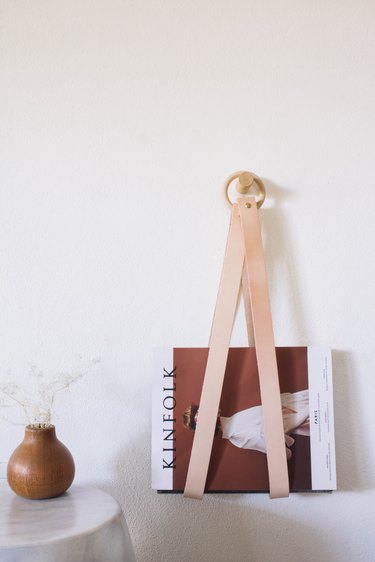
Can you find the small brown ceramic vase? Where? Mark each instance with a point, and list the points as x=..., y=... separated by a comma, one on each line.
x=41, y=467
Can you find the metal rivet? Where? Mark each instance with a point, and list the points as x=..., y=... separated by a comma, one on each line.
x=248, y=205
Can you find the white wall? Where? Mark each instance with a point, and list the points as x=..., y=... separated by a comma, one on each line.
x=119, y=122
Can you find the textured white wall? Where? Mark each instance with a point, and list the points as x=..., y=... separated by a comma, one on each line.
x=119, y=122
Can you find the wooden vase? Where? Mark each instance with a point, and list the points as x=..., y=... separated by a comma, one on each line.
x=41, y=467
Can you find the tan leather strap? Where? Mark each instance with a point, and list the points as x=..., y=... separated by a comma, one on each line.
x=265, y=349
x=244, y=226
x=221, y=331
x=247, y=306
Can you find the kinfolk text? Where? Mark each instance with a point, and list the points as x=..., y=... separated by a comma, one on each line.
x=169, y=403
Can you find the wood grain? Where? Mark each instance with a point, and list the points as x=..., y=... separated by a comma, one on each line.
x=41, y=467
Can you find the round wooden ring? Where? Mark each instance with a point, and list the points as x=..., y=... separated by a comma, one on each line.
x=246, y=180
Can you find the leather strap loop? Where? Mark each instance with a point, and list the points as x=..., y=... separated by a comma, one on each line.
x=244, y=244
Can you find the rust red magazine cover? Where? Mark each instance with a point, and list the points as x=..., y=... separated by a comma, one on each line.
x=238, y=460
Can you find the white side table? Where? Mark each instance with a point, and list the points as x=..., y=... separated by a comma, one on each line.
x=83, y=525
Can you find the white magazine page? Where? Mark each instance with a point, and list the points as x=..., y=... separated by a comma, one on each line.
x=322, y=437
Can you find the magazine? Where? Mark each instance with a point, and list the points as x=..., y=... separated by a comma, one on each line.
x=238, y=460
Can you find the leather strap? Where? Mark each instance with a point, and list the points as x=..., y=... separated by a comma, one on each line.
x=221, y=332
x=244, y=226
x=265, y=349
x=247, y=306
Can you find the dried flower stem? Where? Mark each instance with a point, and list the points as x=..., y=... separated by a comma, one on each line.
x=37, y=406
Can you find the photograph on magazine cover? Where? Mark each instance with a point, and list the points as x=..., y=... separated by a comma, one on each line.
x=238, y=459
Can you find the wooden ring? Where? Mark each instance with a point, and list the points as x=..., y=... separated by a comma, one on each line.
x=244, y=185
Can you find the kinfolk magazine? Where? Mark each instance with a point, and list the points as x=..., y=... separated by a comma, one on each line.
x=238, y=459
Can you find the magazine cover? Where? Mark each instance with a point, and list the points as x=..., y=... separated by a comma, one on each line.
x=238, y=460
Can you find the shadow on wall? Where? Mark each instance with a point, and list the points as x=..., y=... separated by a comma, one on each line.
x=353, y=464
x=352, y=472
x=220, y=528
x=217, y=531
x=282, y=272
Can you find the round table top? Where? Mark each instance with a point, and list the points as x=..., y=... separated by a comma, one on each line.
x=80, y=511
